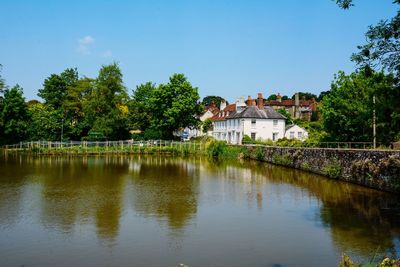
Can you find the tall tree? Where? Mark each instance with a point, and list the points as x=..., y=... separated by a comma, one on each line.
x=106, y=109
x=55, y=87
x=14, y=116
x=175, y=106
x=45, y=122
x=140, y=106
x=76, y=98
x=347, y=109
x=382, y=50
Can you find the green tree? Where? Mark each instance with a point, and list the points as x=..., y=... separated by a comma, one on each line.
x=14, y=116
x=306, y=95
x=55, y=87
x=45, y=122
x=140, y=111
x=347, y=109
x=382, y=50
x=77, y=96
x=174, y=106
x=106, y=109
x=207, y=101
x=206, y=125
x=272, y=97
x=287, y=115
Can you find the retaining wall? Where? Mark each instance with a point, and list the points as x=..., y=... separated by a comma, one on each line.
x=379, y=169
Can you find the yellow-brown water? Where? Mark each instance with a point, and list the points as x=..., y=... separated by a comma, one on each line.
x=161, y=211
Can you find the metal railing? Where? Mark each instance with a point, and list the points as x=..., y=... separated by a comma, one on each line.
x=102, y=146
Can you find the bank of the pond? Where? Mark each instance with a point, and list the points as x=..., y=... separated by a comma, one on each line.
x=379, y=169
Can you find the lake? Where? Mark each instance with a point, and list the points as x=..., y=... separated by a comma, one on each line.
x=164, y=210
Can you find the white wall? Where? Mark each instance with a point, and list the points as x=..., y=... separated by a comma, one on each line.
x=264, y=128
x=293, y=133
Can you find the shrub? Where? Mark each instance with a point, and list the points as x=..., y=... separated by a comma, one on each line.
x=216, y=149
x=333, y=169
x=260, y=154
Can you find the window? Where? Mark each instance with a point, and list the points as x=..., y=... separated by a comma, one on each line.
x=291, y=135
x=253, y=123
x=274, y=136
x=275, y=122
x=253, y=136
x=299, y=135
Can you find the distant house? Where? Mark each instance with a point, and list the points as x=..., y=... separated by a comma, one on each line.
x=209, y=112
x=255, y=120
x=297, y=108
x=294, y=131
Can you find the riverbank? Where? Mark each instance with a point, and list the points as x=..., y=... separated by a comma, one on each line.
x=378, y=169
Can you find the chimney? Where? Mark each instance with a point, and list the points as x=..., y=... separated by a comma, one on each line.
x=297, y=106
x=249, y=101
x=279, y=98
x=260, y=101
x=222, y=106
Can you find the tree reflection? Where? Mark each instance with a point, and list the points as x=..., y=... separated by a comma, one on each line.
x=166, y=188
x=78, y=191
x=360, y=219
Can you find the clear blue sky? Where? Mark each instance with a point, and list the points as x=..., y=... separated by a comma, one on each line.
x=229, y=48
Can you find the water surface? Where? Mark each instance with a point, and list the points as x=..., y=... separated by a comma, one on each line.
x=161, y=211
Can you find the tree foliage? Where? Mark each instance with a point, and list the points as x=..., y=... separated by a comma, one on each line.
x=140, y=106
x=306, y=95
x=55, y=87
x=174, y=106
x=347, y=110
x=207, y=101
x=382, y=50
x=14, y=116
x=106, y=109
x=45, y=122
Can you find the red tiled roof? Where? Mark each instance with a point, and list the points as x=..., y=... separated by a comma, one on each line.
x=221, y=115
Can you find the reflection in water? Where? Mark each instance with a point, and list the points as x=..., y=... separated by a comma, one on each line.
x=63, y=194
x=168, y=191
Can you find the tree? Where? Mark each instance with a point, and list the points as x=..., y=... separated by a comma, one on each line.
x=55, y=87
x=347, y=109
x=287, y=115
x=306, y=95
x=140, y=111
x=77, y=96
x=45, y=122
x=206, y=125
x=322, y=95
x=174, y=106
x=14, y=116
x=207, y=101
x=272, y=97
x=106, y=109
x=382, y=50
x=2, y=82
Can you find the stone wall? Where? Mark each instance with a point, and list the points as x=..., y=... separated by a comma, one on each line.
x=379, y=169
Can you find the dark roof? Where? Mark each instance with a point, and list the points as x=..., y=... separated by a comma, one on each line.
x=254, y=113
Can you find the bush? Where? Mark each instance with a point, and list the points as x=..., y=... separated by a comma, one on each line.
x=216, y=149
x=333, y=169
x=260, y=154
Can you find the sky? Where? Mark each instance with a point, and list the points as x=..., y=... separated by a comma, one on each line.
x=230, y=48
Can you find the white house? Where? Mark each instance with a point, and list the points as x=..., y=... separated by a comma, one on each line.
x=296, y=132
x=256, y=121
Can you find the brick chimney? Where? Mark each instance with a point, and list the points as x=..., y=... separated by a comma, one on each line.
x=249, y=101
x=279, y=98
x=260, y=101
